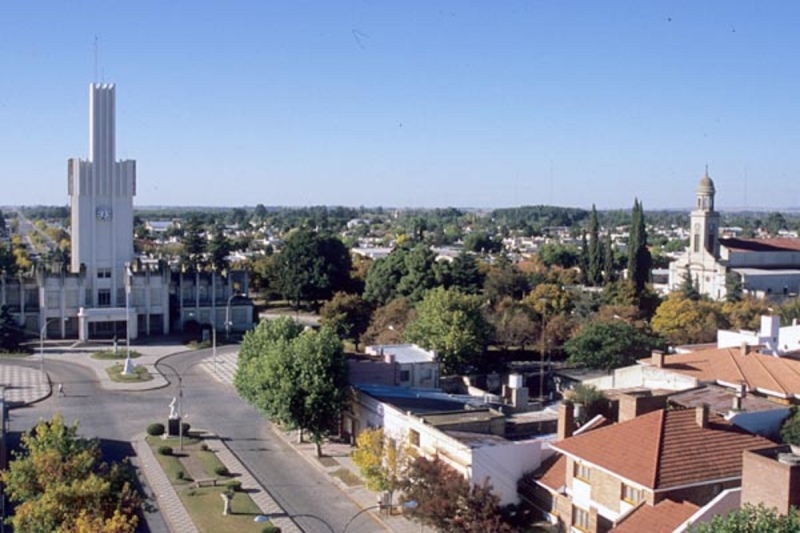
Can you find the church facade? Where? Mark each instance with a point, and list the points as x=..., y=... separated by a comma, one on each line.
x=106, y=290
x=764, y=267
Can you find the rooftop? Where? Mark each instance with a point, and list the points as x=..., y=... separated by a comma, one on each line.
x=671, y=449
x=419, y=401
x=720, y=400
x=768, y=374
x=663, y=517
x=403, y=353
x=761, y=245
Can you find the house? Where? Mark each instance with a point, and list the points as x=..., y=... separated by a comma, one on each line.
x=655, y=468
x=460, y=430
x=407, y=365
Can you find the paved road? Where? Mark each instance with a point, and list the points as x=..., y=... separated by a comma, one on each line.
x=117, y=417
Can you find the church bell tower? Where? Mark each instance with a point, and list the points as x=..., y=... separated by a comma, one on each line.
x=704, y=221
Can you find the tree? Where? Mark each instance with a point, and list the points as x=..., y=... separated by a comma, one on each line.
x=446, y=501
x=407, y=271
x=594, y=274
x=389, y=322
x=311, y=267
x=790, y=428
x=452, y=324
x=733, y=287
x=11, y=334
x=751, y=519
x=513, y=325
x=382, y=460
x=219, y=248
x=504, y=279
x=609, y=345
x=296, y=376
x=609, y=275
x=465, y=275
x=480, y=242
x=685, y=321
x=639, y=259
x=346, y=314
x=593, y=401
x=59, y=483
x=194, y=243
x=746, y=313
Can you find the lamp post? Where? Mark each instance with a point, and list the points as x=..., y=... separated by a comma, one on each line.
x=128, y=282
x=228, y=314
x=214, y=346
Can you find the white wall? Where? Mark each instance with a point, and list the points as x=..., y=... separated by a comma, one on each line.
x=504, y=465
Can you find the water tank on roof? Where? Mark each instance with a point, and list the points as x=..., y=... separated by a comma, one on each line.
x=515, y=381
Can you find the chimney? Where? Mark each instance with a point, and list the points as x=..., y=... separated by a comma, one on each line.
x=659, y=359
x=744, y=349
x=566, y=420
x=737, y=403
x=388, y=358
x=742, y=392
x=701, y=415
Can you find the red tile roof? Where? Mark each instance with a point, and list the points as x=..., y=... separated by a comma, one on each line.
x=665, y=449
x=769, y=374
x=553, y=472
x=761, y=245
x=663, y=517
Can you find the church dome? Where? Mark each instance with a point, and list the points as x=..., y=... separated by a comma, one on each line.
x=706, y=186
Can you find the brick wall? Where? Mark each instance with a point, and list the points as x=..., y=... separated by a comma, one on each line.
x=633, y=405
x=699, y=495
x=767, y=481
x=606, y=489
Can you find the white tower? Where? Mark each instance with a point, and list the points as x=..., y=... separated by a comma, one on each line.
x=704, y=223
x=101, y=196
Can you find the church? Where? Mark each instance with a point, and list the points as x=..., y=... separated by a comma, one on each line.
x=766, y=268
x=107, y=291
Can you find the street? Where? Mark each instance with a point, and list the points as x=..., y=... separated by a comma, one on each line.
x=116, y=417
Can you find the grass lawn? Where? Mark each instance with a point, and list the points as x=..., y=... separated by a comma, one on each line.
x=205, y=507
x=110, y=354
x=14, y=355
x=204, y=504
x=140, y=374
x=347, y=477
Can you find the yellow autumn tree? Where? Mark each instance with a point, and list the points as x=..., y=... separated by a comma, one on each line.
x=382, y=460
x=685, y=321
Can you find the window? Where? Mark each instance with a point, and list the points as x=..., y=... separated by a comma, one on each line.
x=103, y=273
x=582, y=472
x=580, y=518
x=405, y=375
x=104, y=297
x=413, y=437
x=631, y=494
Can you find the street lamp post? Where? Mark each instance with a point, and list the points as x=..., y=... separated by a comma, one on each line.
x=214, y=346
x=179, y=376
x=228, y=314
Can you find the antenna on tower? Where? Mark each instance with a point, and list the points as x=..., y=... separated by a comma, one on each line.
x=95, y=58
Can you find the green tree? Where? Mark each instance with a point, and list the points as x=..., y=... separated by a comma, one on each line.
x=751, y=519
x=11, y=334
x=609, y=274
x=480, y=242
x=194, y=242
x=595, y=257
x=346, y=314
x=382, y=460
x=407, y=271
x=609, y=345
x=296, y=376
x=733, y=287
x=59, y=483
x=557, y=254
x=639, y=259
x=465, y=275
x=790, y=428
x=452, y=324
x=219, y=248
x=311, y=267
x=504, y=279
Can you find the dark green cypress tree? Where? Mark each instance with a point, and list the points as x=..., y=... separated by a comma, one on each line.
x=584, y=260
x=608, y=260
x=594, y=275
x=639, y=259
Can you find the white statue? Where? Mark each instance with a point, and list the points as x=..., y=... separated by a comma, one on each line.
x=172, y=412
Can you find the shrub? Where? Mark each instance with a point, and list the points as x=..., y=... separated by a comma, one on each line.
x=165, y=450
x=204, y=447
x=155, y=430
x=185, y=427
x=235, y=485
x=180, y=475
x=221, y=470
x=790, y=429
x=270, y=529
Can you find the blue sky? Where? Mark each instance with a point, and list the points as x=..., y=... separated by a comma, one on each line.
x=413, y=103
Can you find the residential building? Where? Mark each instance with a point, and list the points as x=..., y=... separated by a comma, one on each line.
x=649, y=464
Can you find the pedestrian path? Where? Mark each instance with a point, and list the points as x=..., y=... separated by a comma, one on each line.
x=23, y=385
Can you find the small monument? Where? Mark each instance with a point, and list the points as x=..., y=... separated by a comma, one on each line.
x=129, y=367
x=174, y=420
